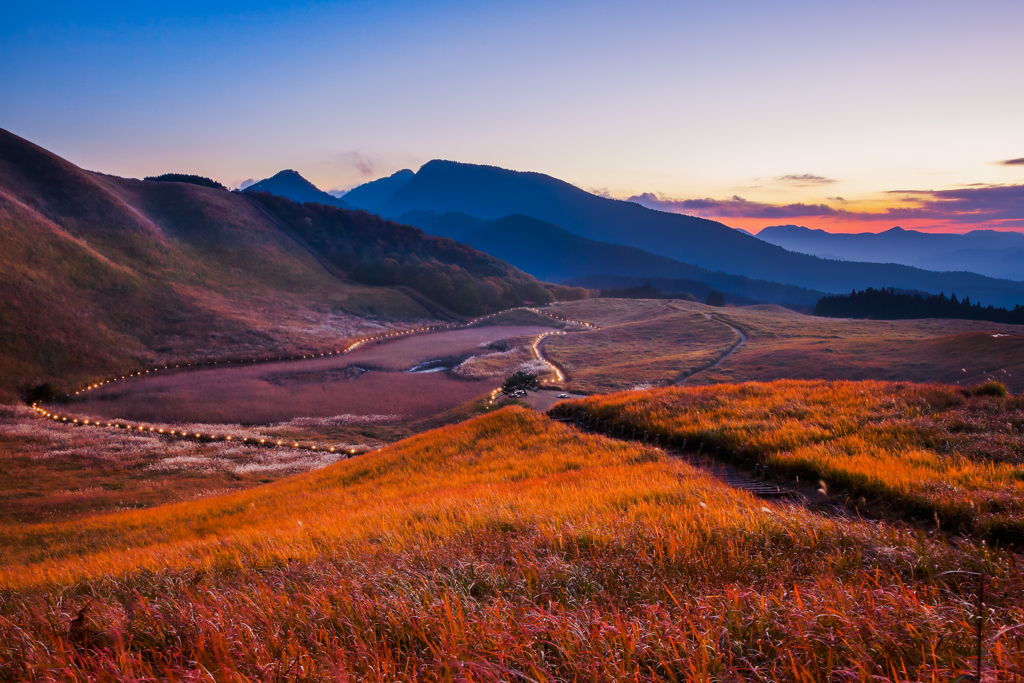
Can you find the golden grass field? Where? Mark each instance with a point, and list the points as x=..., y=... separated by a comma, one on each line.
x=503, y=548
x=918, y=451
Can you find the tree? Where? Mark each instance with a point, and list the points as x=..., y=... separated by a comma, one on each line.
x=715, y=298
x=520, y=380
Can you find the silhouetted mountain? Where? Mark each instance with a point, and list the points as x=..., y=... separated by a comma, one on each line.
x=490, y=193
x=988, y=252
x=290, y=185
x=449, y=224
x=551, y=253
x=372, y=194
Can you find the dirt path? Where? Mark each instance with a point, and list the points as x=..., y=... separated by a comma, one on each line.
x=734, y=349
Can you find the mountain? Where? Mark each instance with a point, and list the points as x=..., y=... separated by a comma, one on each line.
x=490, y=193
x=290, y=185
x=551, y=253
x=101, y=275
x=987, y=252
x=372, y=194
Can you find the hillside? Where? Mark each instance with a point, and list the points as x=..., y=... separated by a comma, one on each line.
x=101, y=274
x=551, y=253
x=490, y=193
x=504, y=544
x=988, y=252
x=290, y=185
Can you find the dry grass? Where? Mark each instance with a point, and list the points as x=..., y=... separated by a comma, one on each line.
x=786, y=345
x=654, y=343
x=504, y=548
x=640, y=343
x=51, y=472
x=920, y=451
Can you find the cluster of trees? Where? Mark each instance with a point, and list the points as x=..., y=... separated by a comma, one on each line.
x=888, y=304
x=374, y=251
x=644, y=291
x=185, y=178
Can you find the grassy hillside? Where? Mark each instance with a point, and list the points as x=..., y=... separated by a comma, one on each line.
x=374, y=251
x=925, y=452
x=502, y=548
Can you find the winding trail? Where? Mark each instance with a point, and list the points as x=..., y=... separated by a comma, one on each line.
x=734, y=349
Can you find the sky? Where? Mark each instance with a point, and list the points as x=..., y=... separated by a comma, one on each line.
x=845, y=116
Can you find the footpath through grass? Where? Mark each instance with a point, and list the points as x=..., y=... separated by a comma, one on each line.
x=504, y=548
x=920, y=451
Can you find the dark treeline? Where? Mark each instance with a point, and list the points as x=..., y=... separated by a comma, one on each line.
x=375, y=251
x=888, y=304
x=644, y=291
x=185, y=178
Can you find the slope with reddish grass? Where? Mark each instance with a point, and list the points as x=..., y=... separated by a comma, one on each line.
x=919, y=451
x=501, y=548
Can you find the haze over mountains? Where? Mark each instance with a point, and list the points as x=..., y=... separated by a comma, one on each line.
x=988, y=252
x=551, y=253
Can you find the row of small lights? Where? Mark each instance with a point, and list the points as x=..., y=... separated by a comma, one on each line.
x=559, y=377
x=535, y=348
x=69, y=419
x=182, y=434
x=564, y=320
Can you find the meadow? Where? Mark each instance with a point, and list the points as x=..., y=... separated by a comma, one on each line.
x=504, y=548
x=639, y=343
x=926, y=453
x=665, y=342
x=370, y=380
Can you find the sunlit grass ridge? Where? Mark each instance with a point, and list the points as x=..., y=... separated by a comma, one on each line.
x=926, y=451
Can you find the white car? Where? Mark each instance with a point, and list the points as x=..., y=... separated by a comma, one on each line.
x=564, y=396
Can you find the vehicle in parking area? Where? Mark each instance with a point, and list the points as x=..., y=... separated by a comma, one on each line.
x=564, y=396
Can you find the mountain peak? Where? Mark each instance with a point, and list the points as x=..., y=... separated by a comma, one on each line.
x=291, y=185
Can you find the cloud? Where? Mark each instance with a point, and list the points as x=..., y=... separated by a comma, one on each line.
x=360, y=162
x=805, y=179
x=1012, y=162
x=737, y=207
x=990, y=203
x=993, y=206
x=247, y=183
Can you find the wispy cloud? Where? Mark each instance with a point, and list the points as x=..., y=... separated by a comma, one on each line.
x=737, y=207
x=357, y=160
x=1012, y=162
x=805, y=179
x=996, y=206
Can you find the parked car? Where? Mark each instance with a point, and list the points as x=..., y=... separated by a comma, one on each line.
x=564, y=396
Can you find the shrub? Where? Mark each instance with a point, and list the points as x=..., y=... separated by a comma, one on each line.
x=989, y=389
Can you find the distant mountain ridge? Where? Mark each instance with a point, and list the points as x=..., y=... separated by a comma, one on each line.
x=551, y=253
x=987, y=252
x=374, y=193
x=490, y=193
x=291, y=185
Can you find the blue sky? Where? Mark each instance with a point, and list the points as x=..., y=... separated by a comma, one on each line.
x=679, y=101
